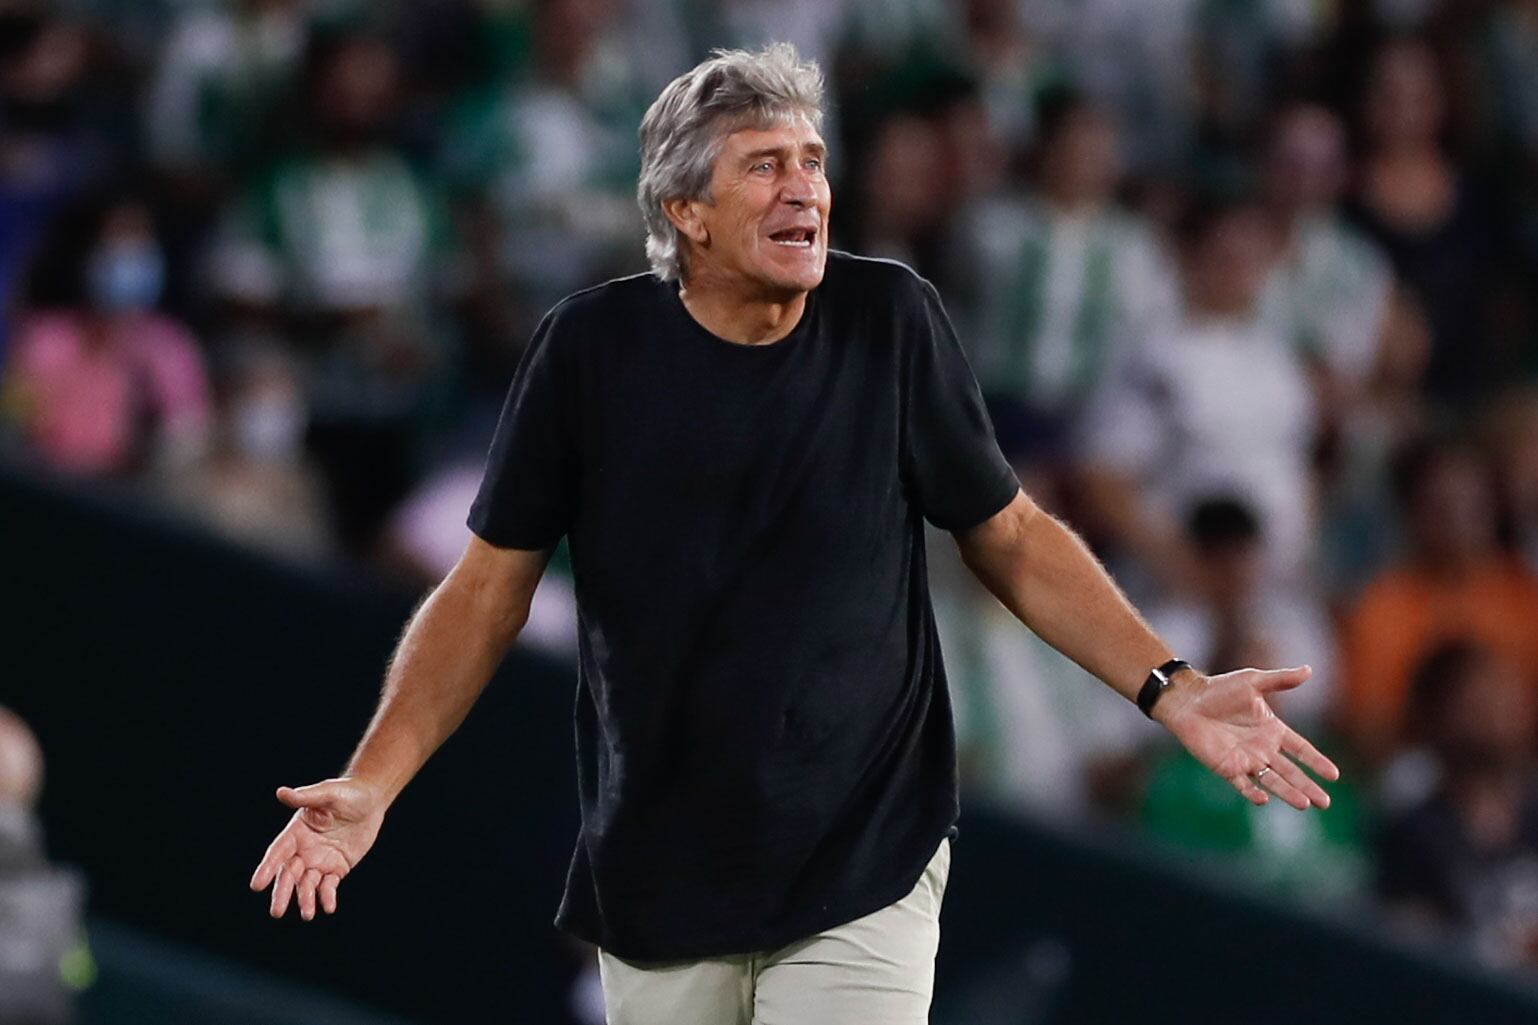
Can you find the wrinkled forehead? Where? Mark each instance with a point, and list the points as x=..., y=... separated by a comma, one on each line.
x=783, y=129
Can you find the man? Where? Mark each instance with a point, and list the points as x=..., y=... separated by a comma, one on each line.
x=741, y=448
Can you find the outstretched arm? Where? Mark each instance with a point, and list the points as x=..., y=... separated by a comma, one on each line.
x=444, y=659
x=1043, y=573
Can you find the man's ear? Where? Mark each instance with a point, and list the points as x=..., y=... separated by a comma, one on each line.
x=684, y=213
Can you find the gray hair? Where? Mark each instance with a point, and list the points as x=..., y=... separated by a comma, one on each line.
x=682, y=132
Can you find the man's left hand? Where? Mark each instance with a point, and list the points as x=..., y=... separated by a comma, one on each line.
x=1227, y=724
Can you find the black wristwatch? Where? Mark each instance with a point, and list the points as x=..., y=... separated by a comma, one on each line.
x=1157, y=683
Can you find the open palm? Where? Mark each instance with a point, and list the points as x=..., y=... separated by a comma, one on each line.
x=333, y=827
x=1228, y=725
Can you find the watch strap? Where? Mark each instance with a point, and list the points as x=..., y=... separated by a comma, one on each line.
x=1157, y=683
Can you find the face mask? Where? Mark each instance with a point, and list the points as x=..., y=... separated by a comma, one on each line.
x=268, y=427
x=126, y=276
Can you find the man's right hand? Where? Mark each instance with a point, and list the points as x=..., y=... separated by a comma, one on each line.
x=333, y=827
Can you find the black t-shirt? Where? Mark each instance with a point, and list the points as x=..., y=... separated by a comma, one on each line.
x=764, y=738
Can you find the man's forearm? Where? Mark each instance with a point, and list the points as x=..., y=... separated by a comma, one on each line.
x=448, y=652
x=1047, y=577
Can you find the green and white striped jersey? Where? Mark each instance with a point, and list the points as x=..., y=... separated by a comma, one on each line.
x=1056, y=294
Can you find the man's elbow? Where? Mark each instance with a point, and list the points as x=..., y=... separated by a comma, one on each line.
x=1004, y=530
x=492, y=590
x=1000, y=541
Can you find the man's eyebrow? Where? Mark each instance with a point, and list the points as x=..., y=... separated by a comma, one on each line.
x=815, y=148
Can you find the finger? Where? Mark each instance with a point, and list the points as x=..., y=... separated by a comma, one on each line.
x=1273, y=680
x=328, y=887
x=307, y=884
x=1247, y=787
x=282, y=890
x=1312, y=792
x=316, y=795
x=1296, y=745
x=293, y=872
x=279, y=851
x=1275, y=782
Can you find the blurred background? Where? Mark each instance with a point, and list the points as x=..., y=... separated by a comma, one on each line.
x=1249, y=286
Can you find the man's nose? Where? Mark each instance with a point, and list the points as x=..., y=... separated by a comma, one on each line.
x=797, y=189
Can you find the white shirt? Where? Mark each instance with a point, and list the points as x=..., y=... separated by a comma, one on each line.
x=1211, y=408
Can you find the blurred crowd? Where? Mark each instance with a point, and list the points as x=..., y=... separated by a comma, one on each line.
x=44, y=956
x=1249, y=286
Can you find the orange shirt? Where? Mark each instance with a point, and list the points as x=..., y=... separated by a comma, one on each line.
x=1406, y=612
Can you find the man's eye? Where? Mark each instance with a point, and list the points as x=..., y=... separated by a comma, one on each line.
x=763, y=165
x=814, y=164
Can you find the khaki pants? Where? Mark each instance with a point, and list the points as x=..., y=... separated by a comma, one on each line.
x=876, y=969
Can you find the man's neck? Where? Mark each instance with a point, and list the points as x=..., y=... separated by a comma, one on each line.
x=743, y=319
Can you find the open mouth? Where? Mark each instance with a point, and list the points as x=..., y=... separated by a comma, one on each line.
x=794, y=238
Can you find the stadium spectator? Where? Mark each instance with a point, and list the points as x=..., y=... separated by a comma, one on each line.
x=43, y=957
x=1062, y=277
x=1013, y=66
x=1217, y=401
x=1466, y=858
x=1435, y=223
x=1232, y=617
x=47, y=153
x=1141, y=61
x=337, y=247
x=1364, y=338
x=1510, y=432
x=222, y=78
x=1331, y=282
x=100, y=382
x=256, y=483
x=901, y=195
x=341, y=227
x=543, y=163
x=1245, y=51
x=1453, y=582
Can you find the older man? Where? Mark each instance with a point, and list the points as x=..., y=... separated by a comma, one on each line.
x=742, y=448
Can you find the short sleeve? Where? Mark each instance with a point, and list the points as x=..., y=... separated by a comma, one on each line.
x=953, y=468
x=527, y=498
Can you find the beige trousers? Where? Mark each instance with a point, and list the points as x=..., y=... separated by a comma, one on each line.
x=876, y=969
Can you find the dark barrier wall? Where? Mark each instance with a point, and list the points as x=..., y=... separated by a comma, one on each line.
x=1076, y=929
x=175, y=682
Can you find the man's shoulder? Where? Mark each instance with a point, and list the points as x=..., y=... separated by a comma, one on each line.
x=589, y=320
x=618, y=297
x=873, y=277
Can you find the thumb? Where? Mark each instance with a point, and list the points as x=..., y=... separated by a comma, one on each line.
x=316, y=795
x=1273, y=680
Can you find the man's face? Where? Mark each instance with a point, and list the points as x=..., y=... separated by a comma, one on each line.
x=764, y=227
x=1084, y=163
x=1227, y=268
x=1307, y=167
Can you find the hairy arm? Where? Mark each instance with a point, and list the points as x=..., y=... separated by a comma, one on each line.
x=445, y=658
x=1047, y=577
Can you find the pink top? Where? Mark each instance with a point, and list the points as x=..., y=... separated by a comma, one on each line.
x=86, y=401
